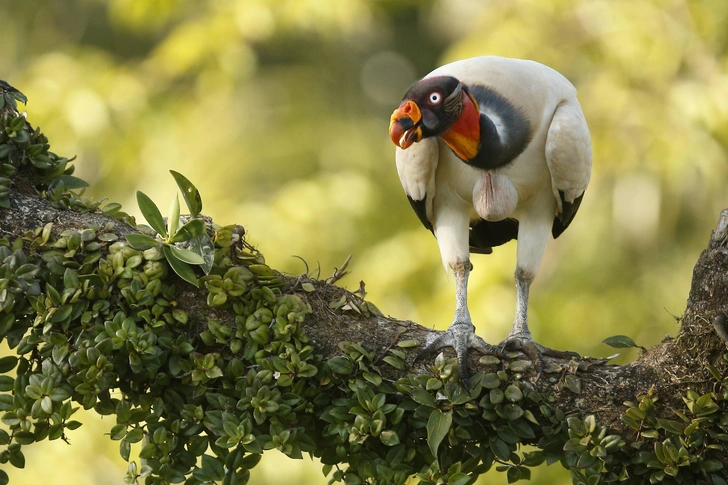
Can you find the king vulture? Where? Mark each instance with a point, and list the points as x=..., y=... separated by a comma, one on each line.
x=491, y=149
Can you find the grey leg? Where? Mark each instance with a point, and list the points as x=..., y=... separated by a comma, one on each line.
x=461, y=333
x=519, y=337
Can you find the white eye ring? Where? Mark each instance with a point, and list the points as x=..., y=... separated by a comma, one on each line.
x=435, y=97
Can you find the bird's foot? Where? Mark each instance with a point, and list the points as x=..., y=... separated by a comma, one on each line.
x=461, y=337
x=525, y=343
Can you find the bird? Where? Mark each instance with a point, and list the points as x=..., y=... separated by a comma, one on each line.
x=488, y=150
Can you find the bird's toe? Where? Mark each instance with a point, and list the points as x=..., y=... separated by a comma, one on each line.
x=461, y=337
x=535, y=351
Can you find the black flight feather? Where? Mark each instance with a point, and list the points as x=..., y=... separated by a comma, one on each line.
x=563, y=219
x=420, y=207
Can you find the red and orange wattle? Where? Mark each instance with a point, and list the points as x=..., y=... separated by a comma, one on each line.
x=463, y=137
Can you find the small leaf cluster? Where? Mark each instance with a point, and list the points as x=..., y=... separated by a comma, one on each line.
x=22, y=147
x=87, y=314
x=192, y=233
x=678, y=450
x=430, y=425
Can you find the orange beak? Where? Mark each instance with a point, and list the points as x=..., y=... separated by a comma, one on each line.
x=404, y=126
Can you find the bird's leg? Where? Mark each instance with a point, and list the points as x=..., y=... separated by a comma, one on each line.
x=461, y=333
x=533, y=235
x=519, y=337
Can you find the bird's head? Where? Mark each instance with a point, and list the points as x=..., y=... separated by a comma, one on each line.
x=430, y=107
x=438, y=106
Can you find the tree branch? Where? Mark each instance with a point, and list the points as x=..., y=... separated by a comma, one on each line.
x=657, y=381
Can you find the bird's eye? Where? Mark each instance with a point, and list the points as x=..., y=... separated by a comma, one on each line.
x=435, y=97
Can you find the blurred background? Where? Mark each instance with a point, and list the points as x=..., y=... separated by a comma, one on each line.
x=278, y=111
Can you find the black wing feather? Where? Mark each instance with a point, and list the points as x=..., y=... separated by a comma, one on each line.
x=562, y=220
x=485, y=235
x=420, y=207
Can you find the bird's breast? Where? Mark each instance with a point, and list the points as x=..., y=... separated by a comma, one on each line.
x=494, y=196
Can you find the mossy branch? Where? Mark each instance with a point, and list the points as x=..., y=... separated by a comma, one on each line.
x=210, y=377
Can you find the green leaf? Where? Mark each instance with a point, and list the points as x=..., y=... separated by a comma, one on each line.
x=17, y=459
x=389, y=437
x=522, y=429
x=111, y=208
x=573, y=383
x=619, y=342
x=173, y=215
x=4, y=480
x=135, y=435
x=204, y=246
x=340, y=365
x=423, y=397
x=395, y=362
x=193, y=228
x=124, y=449
x=512, y=411
x=491, y=381
x=71, y=182
x=62, y=313
x=513, y=393
x=459, y=479
x=182, y=269
x=189, y=192
x=24, y=437
x=6, y=383
x=711, y=465
x=186, y=255
x=500, y=449
x=213, y=467
x=8, y=363
x=141, y=242
x=151, y=213
x=438, y=425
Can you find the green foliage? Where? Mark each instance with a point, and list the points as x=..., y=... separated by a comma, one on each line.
x=22, y=147
x=621, y=342
x=192, y=233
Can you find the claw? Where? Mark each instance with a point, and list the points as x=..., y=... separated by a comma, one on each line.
x=535, y=351
x=461, y=337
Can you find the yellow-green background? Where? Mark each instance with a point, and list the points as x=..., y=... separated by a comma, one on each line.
x=278, y=111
